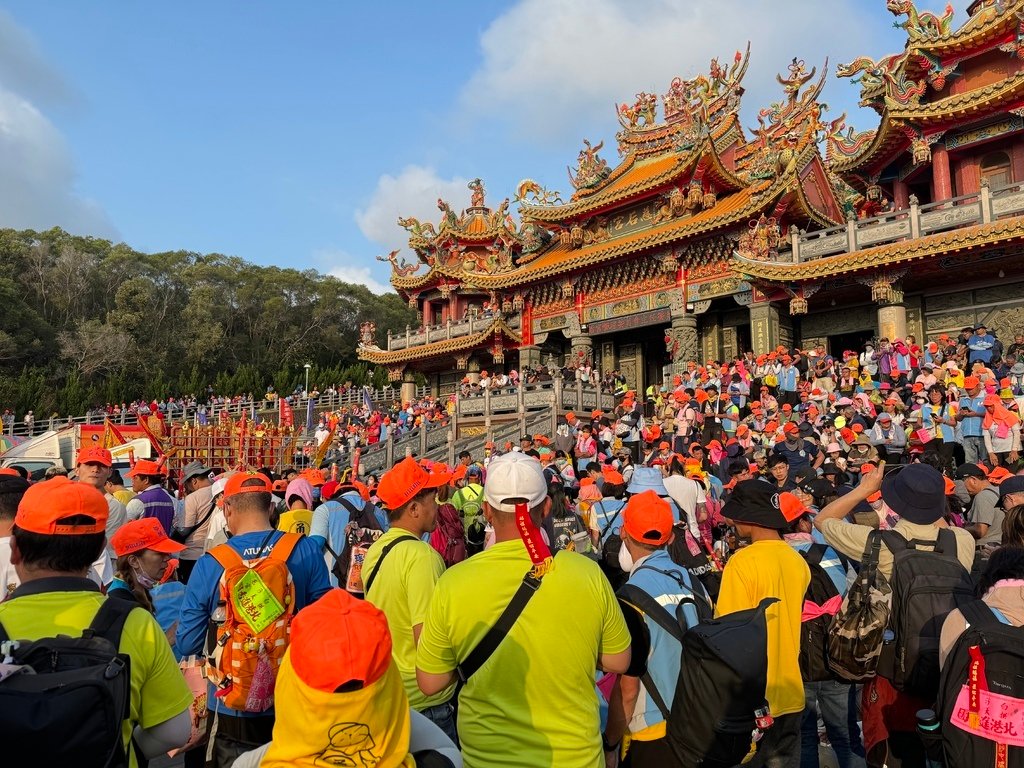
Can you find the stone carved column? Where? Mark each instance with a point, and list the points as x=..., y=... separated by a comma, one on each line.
x=681, y=339
x=764, y=328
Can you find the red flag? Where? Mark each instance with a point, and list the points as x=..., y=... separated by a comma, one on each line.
x=157, y=445
x=111, y=435
x=285, y=416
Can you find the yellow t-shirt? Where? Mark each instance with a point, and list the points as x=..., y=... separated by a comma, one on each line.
x=402, y=591
x=124, y=496
x=158, y=690
x=533, y=702
x=296, y=521
x=772, y=569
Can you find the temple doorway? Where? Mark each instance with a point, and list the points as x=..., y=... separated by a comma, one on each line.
x=854, y=341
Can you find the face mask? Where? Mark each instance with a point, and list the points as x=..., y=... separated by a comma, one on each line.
x=143, y=579
x=560, y=462
x=625, y=559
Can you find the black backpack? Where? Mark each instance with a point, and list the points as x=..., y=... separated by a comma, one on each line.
x=723, y=675
x=362, y=531
x=1001, y=648
x=814, y=632
x=926, y=586
x=72, y=710
x=700, y=566
x=671, y=619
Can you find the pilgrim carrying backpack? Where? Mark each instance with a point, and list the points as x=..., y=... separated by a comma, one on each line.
x=981, y=693
x=720, y=695
x=824, y=600
x=84, y=681
x=926, y=586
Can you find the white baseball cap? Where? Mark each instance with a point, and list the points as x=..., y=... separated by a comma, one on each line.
x=514, y=476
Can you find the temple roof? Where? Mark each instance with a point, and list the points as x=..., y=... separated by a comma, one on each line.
x=561, y=259
x=987, y=25
x=961, y=106
x=884, y=255
x=446, y=347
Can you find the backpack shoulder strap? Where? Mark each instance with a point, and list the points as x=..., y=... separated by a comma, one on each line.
x=637, y=597
x=353, y=513
x=284, y=547
x=380, y=560
x=978, y=614
x=226, y=556
x=814, y=555
x=108, y=622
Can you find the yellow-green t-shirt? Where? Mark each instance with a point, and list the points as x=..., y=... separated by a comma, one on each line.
x=402, y=591
x=533, y=702
x=296, y=521
x=158, y=689
x=772, y=569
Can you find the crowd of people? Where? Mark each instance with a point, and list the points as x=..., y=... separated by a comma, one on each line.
x=845, y=534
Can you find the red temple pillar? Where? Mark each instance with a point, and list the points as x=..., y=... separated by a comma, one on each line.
x=942, y=183
x=900, y=195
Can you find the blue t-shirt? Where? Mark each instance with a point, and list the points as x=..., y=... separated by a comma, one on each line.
x=668, y=589
x=829, y=561
x=971, y=425
x=608, y=511
x=329, y=521
x=308, y=571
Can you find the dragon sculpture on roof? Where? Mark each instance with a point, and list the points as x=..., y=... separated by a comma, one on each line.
x=921, y=26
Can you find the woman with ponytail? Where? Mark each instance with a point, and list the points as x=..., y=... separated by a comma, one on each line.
x=144, y=559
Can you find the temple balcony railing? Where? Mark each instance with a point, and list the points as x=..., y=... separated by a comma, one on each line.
x=449, y=330
x=557, y=394
x=982, y=207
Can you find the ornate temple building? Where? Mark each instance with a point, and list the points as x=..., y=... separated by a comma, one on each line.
x=705, y=240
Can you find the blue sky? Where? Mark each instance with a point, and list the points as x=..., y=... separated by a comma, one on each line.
x=294, y=133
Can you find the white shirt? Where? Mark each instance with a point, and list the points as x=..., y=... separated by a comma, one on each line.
x=117, y=517
x=687, y=494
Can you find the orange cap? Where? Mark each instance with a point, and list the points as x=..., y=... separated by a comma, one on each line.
x=570, y=415
x=663, y=446
x=9, y=472
x=315, y=477
x=647, y=518
x=597, y=413
x=791, y=507
x=787, y=408
x=146, y=533
x=405, y=480
x=94, y=455
x=234, y=485
x=950, y=485
x=791, y=428
x=586, y=481
x=459, y=472
x=146, y=467
x=338, y=641
x=970, y=382
x=612, y=475
x=45, y=504
x=279, y=485
x=866, y=467
x=997, y=475
x=742, y=429
x=874, y=497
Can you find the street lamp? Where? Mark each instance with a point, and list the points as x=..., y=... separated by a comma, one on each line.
x=307, y=366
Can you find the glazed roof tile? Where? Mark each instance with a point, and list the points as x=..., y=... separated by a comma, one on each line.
x=448, y=346
x=560, y=258
x=637, y=176
x=961, y=104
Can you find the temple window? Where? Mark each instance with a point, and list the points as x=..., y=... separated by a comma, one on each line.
x=995, y=166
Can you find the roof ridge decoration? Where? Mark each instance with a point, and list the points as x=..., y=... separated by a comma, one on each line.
x=478, y=240
x=591, y=169
x=921, y=26
x=691, y=109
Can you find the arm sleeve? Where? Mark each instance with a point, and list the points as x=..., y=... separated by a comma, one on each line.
x=615, y=636
x=200, y=600
x=309, y=561
x=435, y=654
x=848, y=539
x=1015, y=446
x=319, y=525
x=163, y=693
x=420, y=580
x=987, y=434
x=135, y=509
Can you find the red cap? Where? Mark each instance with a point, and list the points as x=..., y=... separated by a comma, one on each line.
x=328, y=490
x=405, y=480
x=94, y=455
x=339, y=640
x=234, y=485
x=787, y=408
x=647, y=518
x=147, y=467
x=45, y=504
x=146, y=533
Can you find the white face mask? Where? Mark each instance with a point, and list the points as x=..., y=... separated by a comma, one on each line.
x=625, y=559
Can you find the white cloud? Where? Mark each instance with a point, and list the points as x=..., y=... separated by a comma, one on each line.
x=340, y=264
x=37, y=187
x=556, y=68
x=413, y=192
